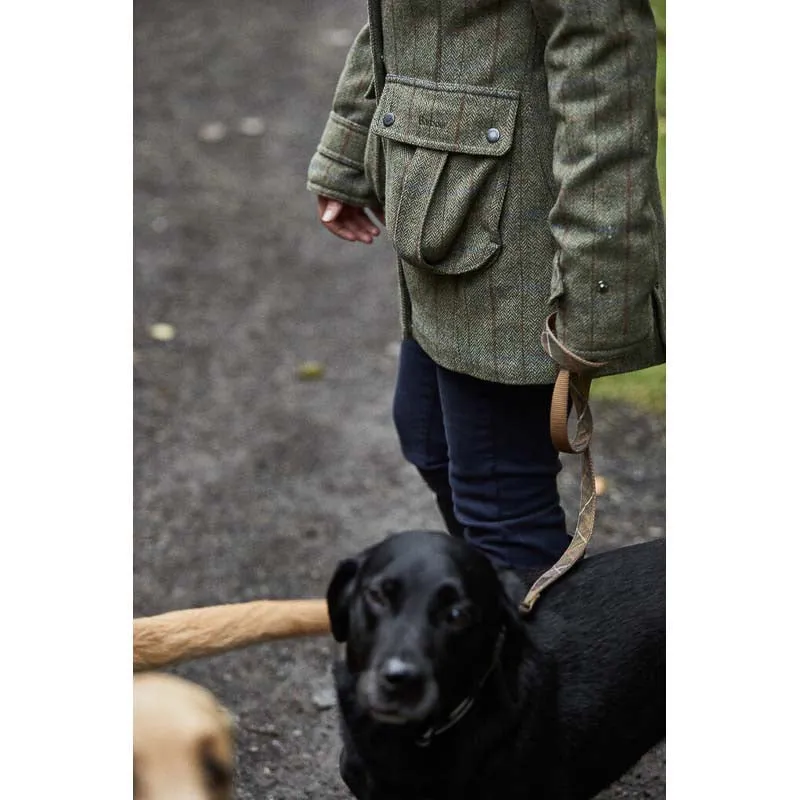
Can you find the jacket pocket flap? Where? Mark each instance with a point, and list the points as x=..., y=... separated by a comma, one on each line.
x=445, y=116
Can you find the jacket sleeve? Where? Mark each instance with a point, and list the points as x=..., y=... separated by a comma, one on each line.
x=600, y=64
x=337, y=167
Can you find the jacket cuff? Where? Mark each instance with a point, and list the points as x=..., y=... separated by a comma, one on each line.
x=337, y=168
x=562, y=355
x=344, y=141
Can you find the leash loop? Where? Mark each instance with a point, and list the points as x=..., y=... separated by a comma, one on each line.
x=572, y=384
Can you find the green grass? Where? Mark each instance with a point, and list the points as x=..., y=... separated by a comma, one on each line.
x=647, y=388
x=644, y=389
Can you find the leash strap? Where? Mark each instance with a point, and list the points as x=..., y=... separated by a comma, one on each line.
x=572, y=383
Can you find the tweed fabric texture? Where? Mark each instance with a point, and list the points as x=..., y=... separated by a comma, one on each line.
x=513, y=149
x=337, y=168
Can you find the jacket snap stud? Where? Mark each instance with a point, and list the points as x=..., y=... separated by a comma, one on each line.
x=388, y=119
x=492, y=135
x=602, y=286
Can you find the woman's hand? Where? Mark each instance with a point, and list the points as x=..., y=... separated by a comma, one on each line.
x=348, y=222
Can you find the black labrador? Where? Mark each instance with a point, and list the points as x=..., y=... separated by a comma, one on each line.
x=447, y=692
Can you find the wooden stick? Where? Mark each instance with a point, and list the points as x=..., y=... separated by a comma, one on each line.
x=198, y=632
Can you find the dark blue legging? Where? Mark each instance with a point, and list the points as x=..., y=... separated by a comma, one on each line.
x=485, y=451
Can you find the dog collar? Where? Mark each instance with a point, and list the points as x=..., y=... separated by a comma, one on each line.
x=460, y=711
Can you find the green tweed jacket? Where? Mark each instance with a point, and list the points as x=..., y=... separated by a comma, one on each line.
x=512, y=146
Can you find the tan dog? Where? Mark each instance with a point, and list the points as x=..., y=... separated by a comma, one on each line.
x=182, y=741
x=182, y=737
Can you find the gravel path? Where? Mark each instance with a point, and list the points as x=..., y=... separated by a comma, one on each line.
x=250, y=482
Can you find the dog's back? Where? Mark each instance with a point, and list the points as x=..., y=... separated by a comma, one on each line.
x=602, y=634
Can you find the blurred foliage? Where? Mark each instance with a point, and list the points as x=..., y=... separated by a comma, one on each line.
x=647, y=388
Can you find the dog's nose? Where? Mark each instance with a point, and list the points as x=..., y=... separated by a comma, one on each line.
x=398, y=674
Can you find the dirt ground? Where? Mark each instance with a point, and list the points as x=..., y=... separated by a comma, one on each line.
x=250, y=482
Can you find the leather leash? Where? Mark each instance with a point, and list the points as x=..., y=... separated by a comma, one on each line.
x=572, y=383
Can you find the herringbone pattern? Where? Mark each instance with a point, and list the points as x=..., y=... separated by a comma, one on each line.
x=560, y=212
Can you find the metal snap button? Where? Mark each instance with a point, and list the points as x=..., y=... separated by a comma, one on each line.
x=492, y=135
x=602, y=286
x=388, y=119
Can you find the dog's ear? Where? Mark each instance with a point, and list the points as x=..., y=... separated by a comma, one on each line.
x=340, y=593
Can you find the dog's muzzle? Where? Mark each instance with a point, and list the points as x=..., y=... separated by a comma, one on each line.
x=398, y=691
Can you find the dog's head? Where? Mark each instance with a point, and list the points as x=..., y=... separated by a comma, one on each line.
x=182, y=741
x=421, y=613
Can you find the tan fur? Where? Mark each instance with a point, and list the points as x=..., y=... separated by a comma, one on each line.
x=181, y=735
x=182, y=741
x=197, y=632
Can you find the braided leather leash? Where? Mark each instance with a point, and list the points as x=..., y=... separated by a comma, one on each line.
x=572, y=382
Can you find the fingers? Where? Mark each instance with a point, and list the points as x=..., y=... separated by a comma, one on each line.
x=329, y=208
x=350, y=223
x=343, y=228
x=363, y=226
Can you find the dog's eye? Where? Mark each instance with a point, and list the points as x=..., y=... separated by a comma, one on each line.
x=458, y=617
x=218, y=774
x=375, y=597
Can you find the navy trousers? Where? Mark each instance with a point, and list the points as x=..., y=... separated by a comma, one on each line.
x=485, y=451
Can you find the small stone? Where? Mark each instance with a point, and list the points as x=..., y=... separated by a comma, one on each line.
x=324, y=699
x=212, y=132
x=253, y=748
x=339, y=37
x=160, y=224
x=297, y=733
x=252, y=126
x=267, y=771
x=162, y=332
x=157, y=206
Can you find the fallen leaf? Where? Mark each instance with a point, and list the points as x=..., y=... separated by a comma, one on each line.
x=162, y=332
x=310, y=371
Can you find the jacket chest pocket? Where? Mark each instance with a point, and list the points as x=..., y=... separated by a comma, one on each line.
x=446, y=169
